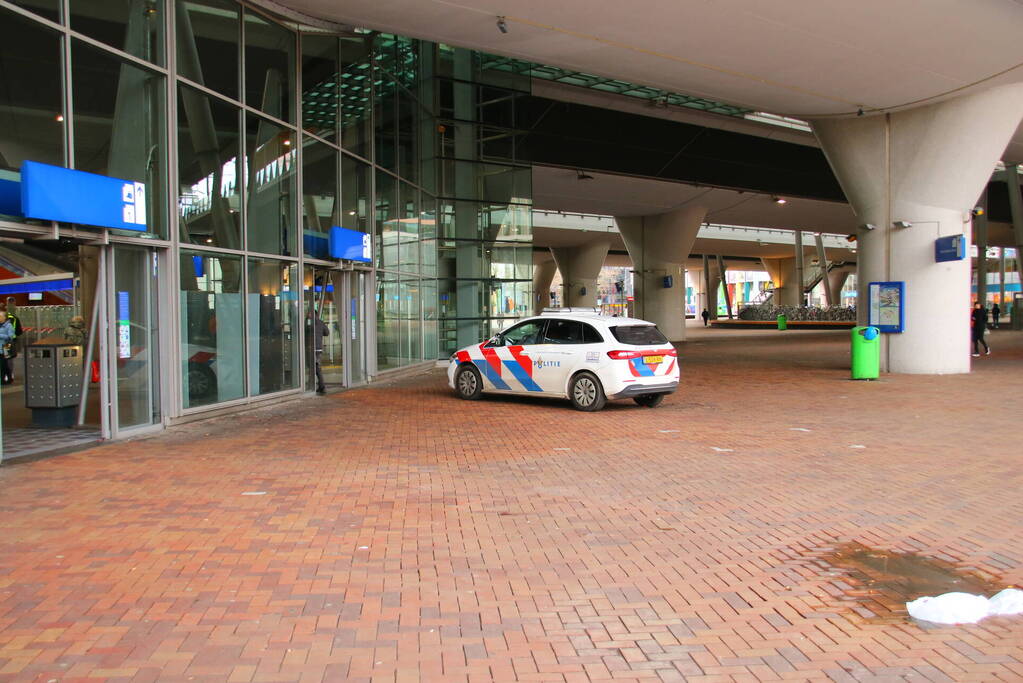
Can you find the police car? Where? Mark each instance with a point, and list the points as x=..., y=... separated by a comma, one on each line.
x=571, y=353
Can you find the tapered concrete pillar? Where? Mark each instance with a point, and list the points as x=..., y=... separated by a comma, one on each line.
x=784, y=275
x=580, y=266
x=659, y=246
x=838, y=279
x=543, y=275
x=711, y=284
x=926, y=167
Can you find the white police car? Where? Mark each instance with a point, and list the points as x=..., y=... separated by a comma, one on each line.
x=574, y=353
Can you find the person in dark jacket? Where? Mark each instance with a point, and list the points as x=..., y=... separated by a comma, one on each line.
x=317, y=330
x=706, y=316
x=979, y=324
x=996, y=313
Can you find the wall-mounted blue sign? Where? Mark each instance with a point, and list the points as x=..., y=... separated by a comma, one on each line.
x=350, y=244
x=53, y=193
x=951, y=248
x=10, y=197
x=886, y=310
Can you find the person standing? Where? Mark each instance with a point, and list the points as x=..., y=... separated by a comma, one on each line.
x=317, y=330
x=996, y=312
x=706, y=316
x=978, y=323
x=7, y=337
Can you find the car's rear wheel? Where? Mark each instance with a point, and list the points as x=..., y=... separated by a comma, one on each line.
x=468, y=383
x=585, y=392
x=649, y=400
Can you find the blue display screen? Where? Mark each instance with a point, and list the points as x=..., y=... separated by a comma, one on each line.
x=54, y=193
x=350, y=244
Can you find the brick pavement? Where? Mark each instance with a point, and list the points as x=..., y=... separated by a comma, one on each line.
x=396, y=533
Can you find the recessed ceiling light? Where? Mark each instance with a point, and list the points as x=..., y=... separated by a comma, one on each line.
x=780, y=200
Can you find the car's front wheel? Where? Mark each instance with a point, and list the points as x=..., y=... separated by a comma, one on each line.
x=649, y=400
x=468, y=383
x=585, y=392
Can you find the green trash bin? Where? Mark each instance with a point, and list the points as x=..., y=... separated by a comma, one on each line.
x=866, y=352
x=783, y=322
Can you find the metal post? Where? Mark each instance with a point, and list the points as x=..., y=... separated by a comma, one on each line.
x=91, y=344
x=822, y=261
x=104, y=344
x=980, y=232
x=1001, y=278
x=800, y=279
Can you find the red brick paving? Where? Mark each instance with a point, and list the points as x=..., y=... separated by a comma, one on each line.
x=405, y=535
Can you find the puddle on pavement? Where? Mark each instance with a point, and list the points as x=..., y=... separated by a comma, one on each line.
x=883, y=581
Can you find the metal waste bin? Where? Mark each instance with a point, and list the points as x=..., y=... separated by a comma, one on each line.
x=866, y=352
x=783, y=322
x=53, y=383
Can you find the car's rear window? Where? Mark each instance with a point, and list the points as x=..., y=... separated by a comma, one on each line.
x=639, y=335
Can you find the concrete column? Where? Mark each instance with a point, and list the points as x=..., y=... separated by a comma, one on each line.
x=783, y=275
x=712, y=280
x=723, y=271
x=926, y=166
x=822, y=263
x=800, y=283
x=838, y=279
x=1001, y=278
x=659, y=246
x=580, y=266
x=1016, y=207
x=543, y=275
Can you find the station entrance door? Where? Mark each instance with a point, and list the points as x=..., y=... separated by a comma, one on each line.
x=337, y=297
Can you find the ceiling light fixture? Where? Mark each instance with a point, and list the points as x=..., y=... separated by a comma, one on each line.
x=580, y=175
x=779, y=200
x=502, y=25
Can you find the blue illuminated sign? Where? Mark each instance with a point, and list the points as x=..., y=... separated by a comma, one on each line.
x=10, y=197
x=37, y=286
x=951, y=248
x=350, y=244
x=60, y=194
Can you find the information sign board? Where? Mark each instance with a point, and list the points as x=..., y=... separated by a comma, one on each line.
x=951, y=248
x=350, y=244
x=64, y=195
x=886, y=303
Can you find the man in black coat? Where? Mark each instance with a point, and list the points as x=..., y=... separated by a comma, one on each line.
x=979, y=324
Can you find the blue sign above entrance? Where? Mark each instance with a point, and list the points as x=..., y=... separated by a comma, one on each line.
x=951, y=248
x=350, y=244
x=64, y=195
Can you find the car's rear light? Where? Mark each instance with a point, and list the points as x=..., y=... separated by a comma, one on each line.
x=624, y=355
x=671, y=352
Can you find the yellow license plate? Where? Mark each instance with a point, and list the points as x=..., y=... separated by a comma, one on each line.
x=653, y=360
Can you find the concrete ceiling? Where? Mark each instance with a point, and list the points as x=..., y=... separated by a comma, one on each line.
x=803, y=59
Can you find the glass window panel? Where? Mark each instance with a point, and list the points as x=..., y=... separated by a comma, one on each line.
x=388, y=316
x=271, y=184
x=320, y=84
x=354, y=89
x=408, y=234
x=212, y=346
x=412, y=329
x=430, y=316
x=320, y=205
x=134, y=26
x=406, y=136
x=31, y=108
x=45, y=8
x=269, y=67
x=385, y=123
x=273, y=325
x=207, y=44
x=210, y=196
x=119, y=125
x=355, y=195
x=387, y=220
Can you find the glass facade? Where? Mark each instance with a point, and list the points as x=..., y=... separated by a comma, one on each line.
x=253, y=139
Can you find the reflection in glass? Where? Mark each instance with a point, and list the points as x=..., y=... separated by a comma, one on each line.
x=119, y=125
x=273, y=335
x=44, y=8
x=319, y=84
x=134, y=26
x=212, y=346
x=31, y=110
x=408, y=230
x=385, y=122
x=137, y=369
x=387, y=223
x=407, y=130
x=354, y=89
x=207, y=43
x=355, y=194
x=324, y=343
x=208, y=168
x=269, y=66
x=320, y=206
x=272, y=184
x=430, y=316
x=388, y=321
x=411, y=328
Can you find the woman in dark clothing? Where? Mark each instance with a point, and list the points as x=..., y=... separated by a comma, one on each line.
x=979, y=323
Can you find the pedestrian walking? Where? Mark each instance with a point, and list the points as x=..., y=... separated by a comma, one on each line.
x=7, y=337
x=706, y=316
x=996, y=312
x=317, y=330
x=978, y=323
